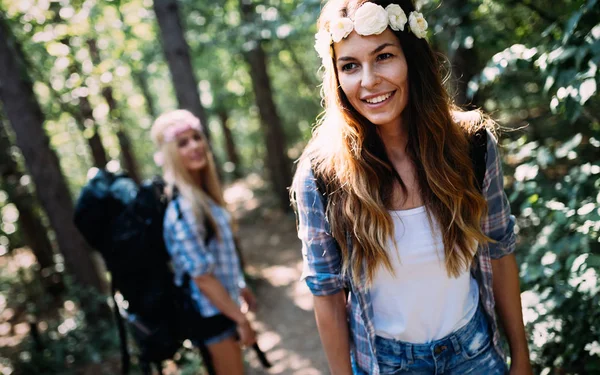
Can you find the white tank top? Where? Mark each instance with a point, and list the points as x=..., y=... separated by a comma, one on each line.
x=420, y=303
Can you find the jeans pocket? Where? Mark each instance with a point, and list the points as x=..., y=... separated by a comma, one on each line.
x=390, y=364
x=478, y=344
x=387, y=368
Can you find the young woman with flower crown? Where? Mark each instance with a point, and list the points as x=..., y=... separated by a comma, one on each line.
x=199, y=238
x=389, y=209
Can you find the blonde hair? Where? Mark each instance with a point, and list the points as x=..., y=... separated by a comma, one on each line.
x=348, y=155
x=178, y=177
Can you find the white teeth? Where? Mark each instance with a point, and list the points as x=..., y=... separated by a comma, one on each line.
x=379, y=99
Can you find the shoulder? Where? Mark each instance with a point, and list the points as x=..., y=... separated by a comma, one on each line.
x=304, y=178
x=177, y=209
x=492, y=153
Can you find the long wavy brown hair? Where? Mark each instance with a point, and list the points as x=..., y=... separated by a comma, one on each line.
x=347, y=153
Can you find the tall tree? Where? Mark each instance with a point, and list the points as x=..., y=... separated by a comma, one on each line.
x=34, y=232
x=177, y=53
x=275, y=140
x=129, y=159
x=232, y=154
x=27, y=120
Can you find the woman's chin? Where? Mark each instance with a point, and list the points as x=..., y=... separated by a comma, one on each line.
x=196, y=166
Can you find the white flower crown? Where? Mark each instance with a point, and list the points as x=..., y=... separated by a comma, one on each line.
x=370, y=19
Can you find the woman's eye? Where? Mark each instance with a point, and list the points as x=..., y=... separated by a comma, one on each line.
x=384, y=56
x=348, y=67
x=197, y=137
x=182, y=143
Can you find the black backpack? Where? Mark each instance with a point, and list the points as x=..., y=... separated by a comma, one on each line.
x=124, y=222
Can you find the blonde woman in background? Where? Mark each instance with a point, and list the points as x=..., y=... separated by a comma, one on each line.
x=199, y=237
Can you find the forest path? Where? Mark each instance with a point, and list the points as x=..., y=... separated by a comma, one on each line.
x=284, y=320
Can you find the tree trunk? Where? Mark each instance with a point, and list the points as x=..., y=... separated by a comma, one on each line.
x=177, y=53
x=142, y=81
x=33, y=230
x=84, y=117
x=277, y=160
x=232, y=154
x=129, y=160
x=127, y=154
x=27, y=120
x=95, y=142
x=309, y=80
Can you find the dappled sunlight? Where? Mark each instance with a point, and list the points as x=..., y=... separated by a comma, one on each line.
x=284, y=321
x=302, y=296
x=280, y=275
x=238, y=192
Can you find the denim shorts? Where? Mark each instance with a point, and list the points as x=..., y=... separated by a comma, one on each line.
x=217, y=328
x=469, y=350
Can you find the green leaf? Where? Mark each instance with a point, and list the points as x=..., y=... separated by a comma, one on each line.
x=587, y=89
x=571, y=25
x=593, y=261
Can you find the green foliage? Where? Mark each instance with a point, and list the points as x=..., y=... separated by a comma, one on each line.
x=558, y=204
x=67, y=340
x=546, y=84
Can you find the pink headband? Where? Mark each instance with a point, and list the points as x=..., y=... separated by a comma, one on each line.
x=173, y=131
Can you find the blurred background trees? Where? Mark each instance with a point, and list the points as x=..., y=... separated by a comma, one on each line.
x=82, y=80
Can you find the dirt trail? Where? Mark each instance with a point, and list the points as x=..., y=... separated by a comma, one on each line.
x=285, y=319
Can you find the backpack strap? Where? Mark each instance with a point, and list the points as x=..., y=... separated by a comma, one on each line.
x=125, y=359
x=321, y=188
x=478, y=153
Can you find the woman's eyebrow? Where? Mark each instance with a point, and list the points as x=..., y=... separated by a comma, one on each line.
x=381, y=47
x=375, y=51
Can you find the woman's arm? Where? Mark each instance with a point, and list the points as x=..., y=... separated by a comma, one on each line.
x=499, y=226
x=330, y=313
x=322, y=270
x=218, y=296
x=508, y=305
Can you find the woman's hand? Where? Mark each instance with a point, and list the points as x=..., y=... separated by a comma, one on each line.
x=246, y=333
x=249, y=298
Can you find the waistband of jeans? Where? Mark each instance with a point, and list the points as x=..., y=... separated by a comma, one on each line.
x=451, y=341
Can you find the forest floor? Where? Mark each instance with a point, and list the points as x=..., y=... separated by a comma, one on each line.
x=284, y=320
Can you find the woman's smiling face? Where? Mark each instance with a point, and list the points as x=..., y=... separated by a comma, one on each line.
x=192, y=150
x=373, y=73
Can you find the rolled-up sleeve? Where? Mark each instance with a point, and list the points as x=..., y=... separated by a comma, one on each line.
x=320, y=251
x=499, y=224
x=185, y=242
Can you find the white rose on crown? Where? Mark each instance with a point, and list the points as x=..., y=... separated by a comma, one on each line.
x=323, y=44
x=370, y=19
x=340, y=28
x=418, y=25
x=397, y=17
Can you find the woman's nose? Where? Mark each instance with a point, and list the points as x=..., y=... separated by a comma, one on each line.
x=369, y=78
x=196, y=143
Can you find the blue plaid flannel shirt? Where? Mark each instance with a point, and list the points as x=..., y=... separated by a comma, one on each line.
x=190, y=254
x=322, y=258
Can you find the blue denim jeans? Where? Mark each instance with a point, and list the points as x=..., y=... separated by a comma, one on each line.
x=469, y=350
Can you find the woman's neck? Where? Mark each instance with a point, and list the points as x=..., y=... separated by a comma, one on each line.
x=197, y=179
x=395, y=139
